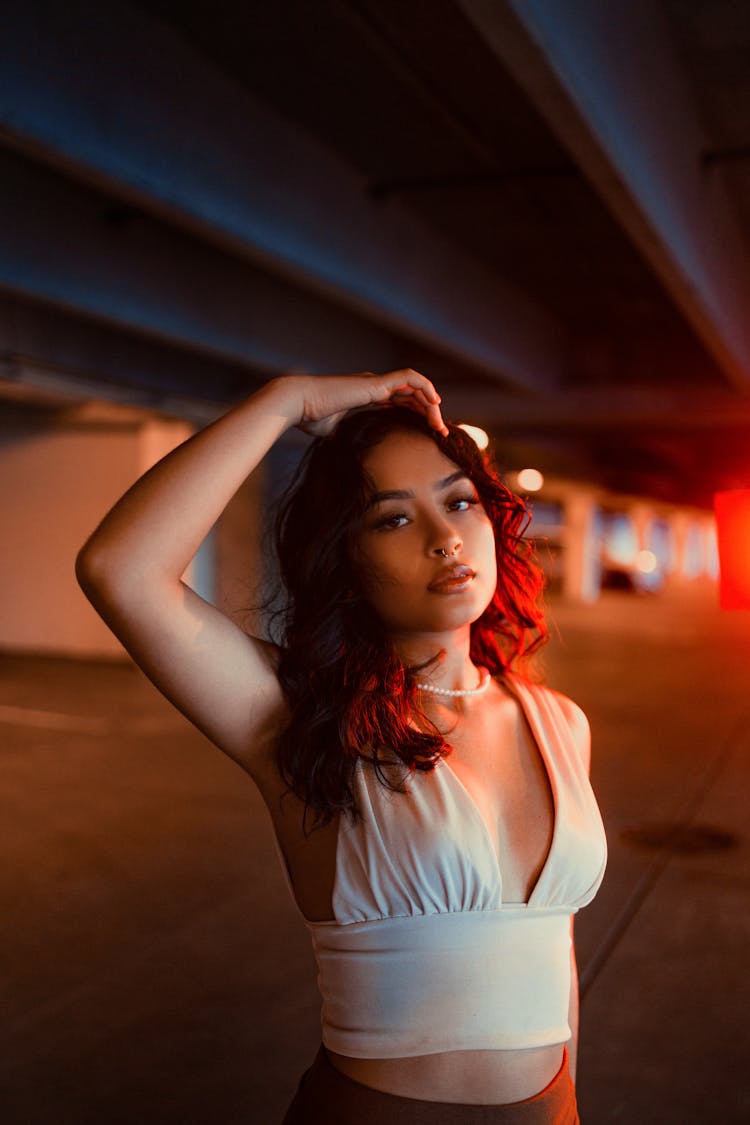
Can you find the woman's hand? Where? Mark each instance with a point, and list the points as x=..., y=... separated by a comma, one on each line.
x=322, y=400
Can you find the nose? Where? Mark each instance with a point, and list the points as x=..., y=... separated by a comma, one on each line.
x=450, y=545
x=441, y=535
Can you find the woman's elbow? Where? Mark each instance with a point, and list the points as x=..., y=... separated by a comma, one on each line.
x=95, y=572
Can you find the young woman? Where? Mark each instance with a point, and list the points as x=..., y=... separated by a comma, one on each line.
x=431, y=805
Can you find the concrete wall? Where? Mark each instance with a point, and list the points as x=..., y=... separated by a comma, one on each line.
x=56, y=484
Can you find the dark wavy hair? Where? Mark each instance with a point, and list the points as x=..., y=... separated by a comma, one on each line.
x=350, y=695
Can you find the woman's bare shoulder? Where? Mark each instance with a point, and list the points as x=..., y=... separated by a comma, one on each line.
x=578, y=724
x=574, y=715
x=573, y=712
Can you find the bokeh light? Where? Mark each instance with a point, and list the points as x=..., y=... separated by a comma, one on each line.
x=530, y=480
x=480, y=437
x=646, y=562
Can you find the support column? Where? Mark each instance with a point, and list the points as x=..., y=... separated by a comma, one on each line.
x=581, y=559
x=63, y=476
x=679, y=524
x=642, y=517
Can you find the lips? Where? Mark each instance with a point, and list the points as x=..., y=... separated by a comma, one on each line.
x=453, y=580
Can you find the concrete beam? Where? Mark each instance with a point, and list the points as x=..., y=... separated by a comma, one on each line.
x=44, y=346
x=63, y=243
x=116, y=97
x=616, y=408
x=49, y=354
x=606, y=78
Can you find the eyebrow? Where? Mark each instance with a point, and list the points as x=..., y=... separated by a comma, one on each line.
x=407, y=494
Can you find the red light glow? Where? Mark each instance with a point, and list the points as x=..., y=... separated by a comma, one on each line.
x=733, y=530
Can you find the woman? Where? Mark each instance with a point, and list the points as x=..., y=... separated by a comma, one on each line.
x=439, y=897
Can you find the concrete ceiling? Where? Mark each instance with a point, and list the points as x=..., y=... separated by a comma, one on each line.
x=544, y=204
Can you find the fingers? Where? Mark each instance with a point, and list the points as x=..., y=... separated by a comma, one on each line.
x=414, y=379
x=435, y=418
x=418, y=393
x=431, y=411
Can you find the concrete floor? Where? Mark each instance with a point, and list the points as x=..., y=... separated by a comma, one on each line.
x=156, y=971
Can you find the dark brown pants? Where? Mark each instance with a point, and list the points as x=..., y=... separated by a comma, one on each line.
x=325, y=1096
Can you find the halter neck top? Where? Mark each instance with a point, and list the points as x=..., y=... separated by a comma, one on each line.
x=424, y=954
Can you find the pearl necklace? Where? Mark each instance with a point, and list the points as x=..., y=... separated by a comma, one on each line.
x=484, y=683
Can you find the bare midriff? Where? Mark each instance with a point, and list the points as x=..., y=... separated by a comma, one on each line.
x=466, y=1077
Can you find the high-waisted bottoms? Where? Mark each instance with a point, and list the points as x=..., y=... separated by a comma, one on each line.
x=325, y=1096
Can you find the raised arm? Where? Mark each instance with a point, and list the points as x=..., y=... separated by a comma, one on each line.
x=130, y=567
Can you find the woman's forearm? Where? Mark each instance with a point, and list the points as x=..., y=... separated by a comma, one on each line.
x=156, y=528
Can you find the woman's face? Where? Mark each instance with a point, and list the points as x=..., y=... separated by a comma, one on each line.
x=422, y=505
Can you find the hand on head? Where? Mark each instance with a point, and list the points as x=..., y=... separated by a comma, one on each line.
x=324, y=399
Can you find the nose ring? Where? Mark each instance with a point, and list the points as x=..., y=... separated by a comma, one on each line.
x=442, y=551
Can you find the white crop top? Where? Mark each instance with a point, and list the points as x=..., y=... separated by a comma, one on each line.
x=424, y=955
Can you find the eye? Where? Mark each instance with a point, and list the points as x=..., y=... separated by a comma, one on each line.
x=463, y=503
x=390, y=523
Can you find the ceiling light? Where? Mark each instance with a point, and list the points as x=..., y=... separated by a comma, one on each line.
x=530, y=480
x=479, y=437
x=646, y=562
